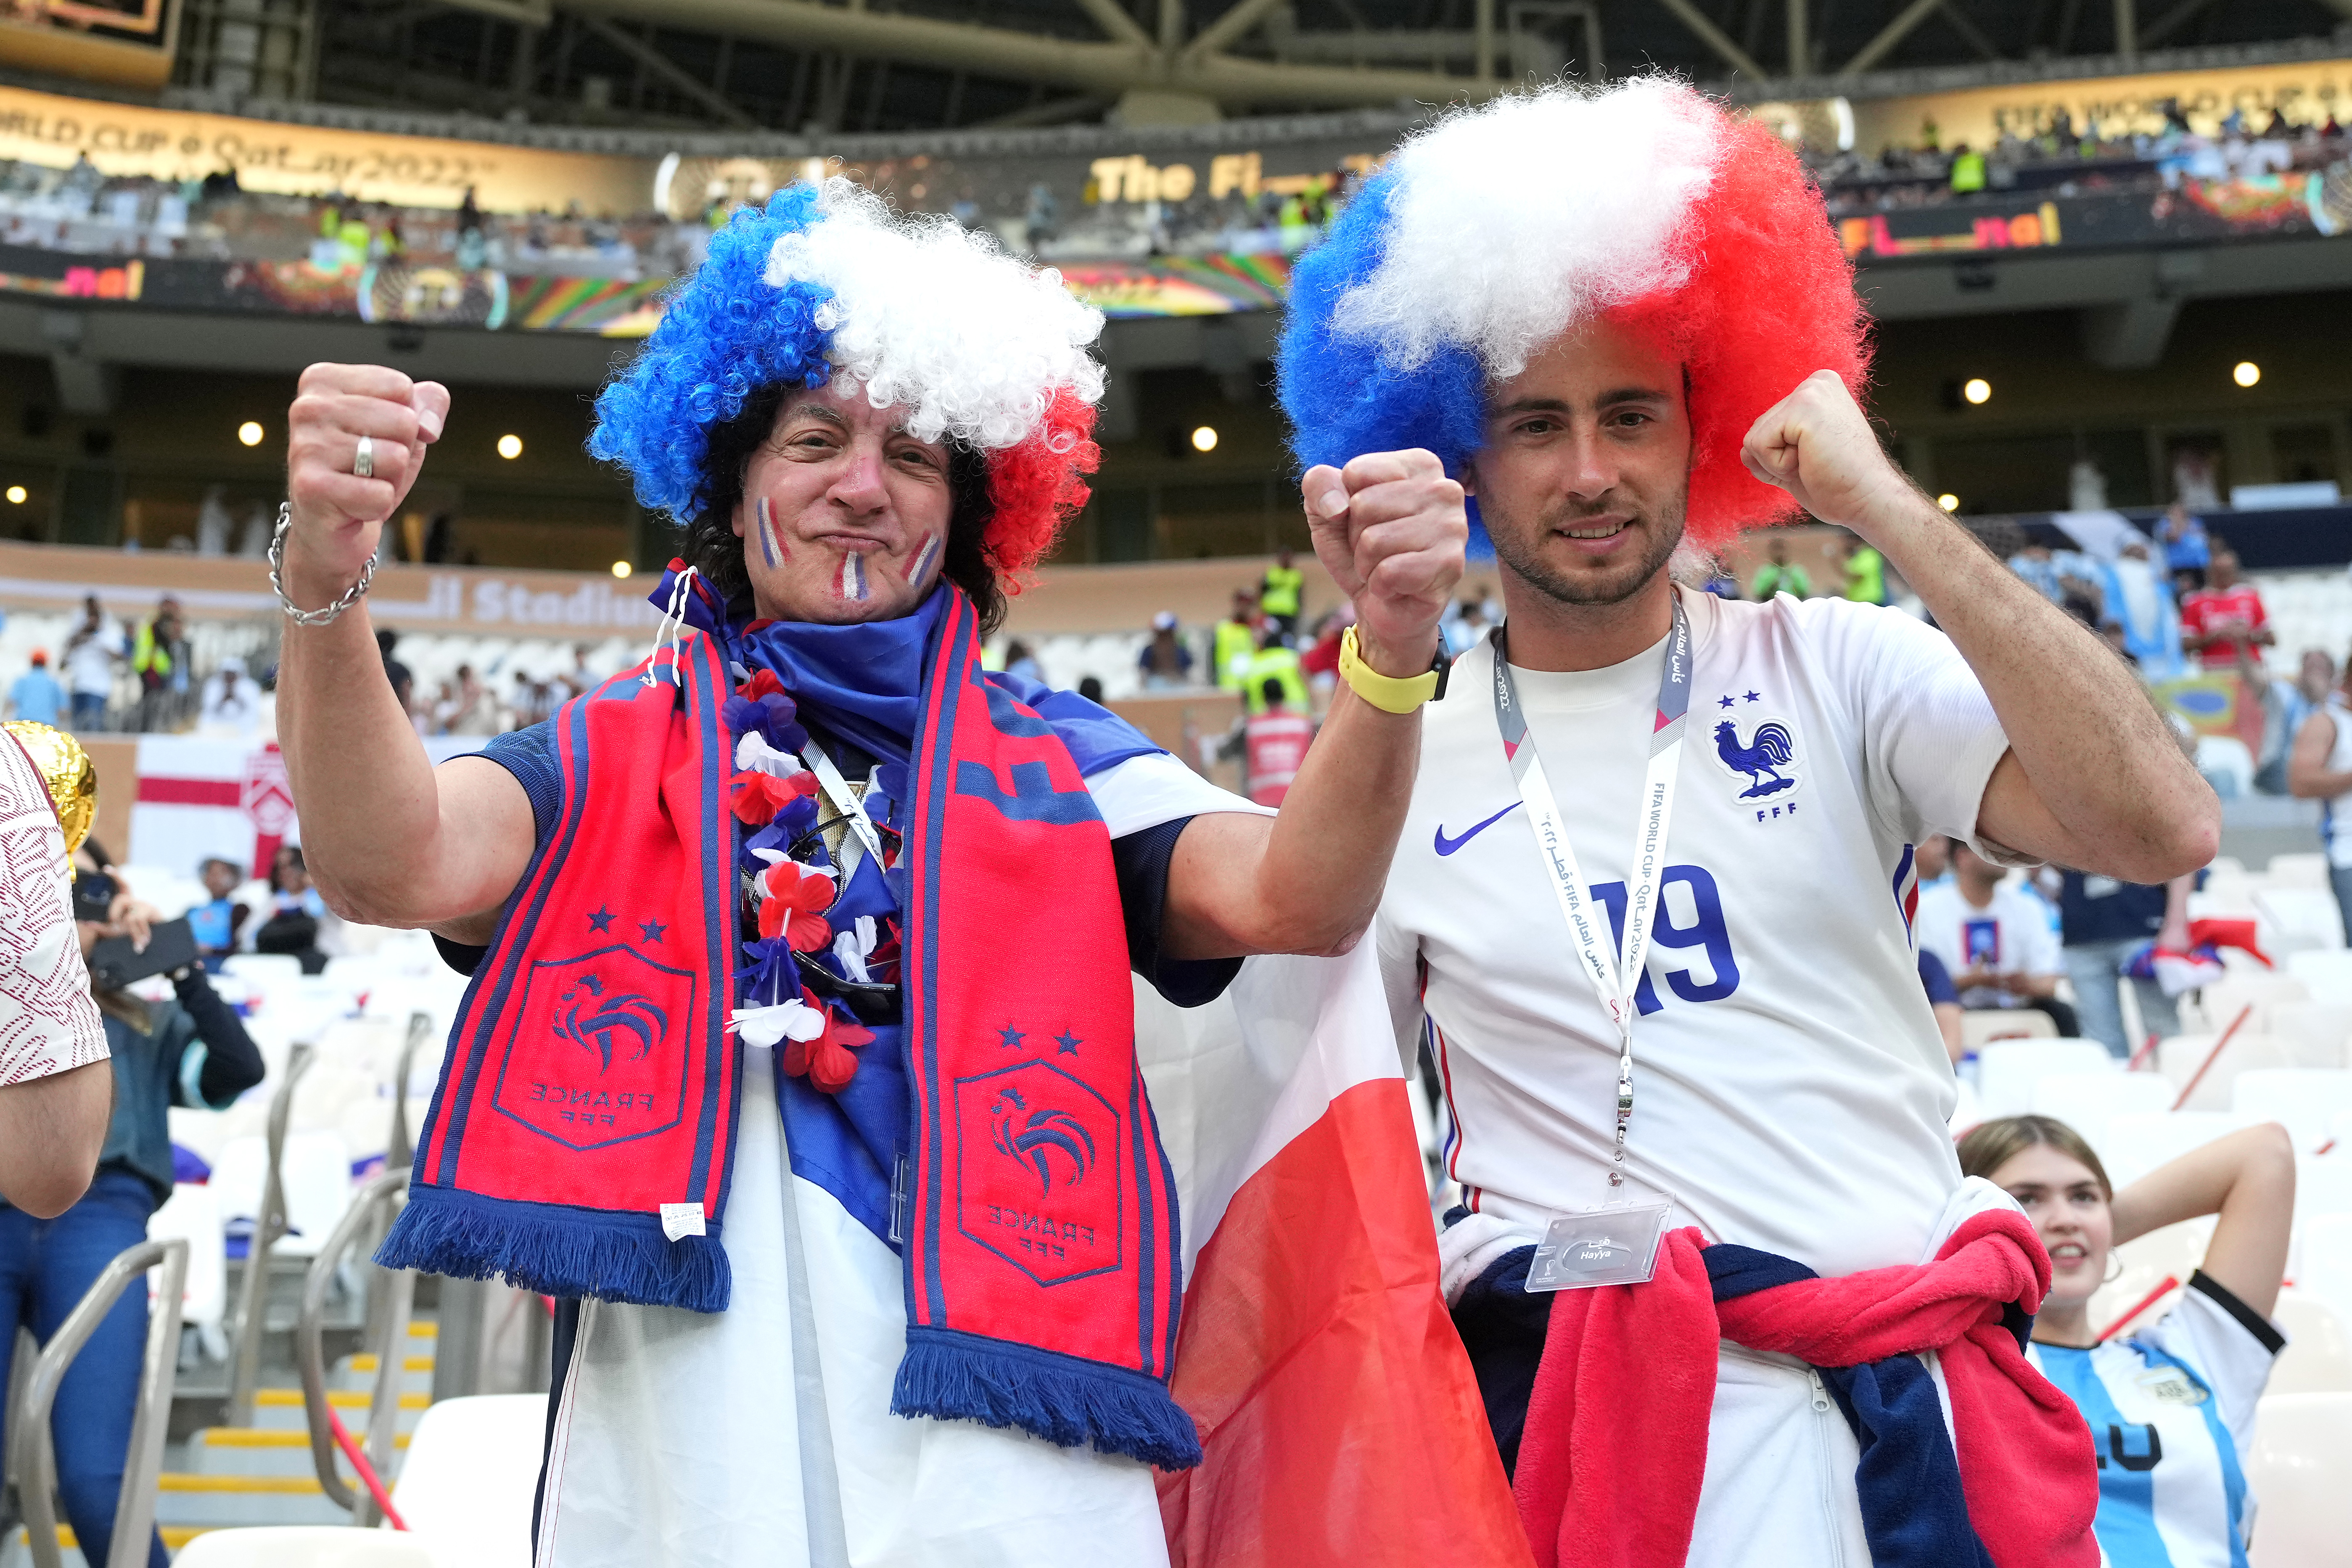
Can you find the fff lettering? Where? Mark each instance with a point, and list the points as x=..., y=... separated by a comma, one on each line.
x=588, y=1107
x=1040, y=1235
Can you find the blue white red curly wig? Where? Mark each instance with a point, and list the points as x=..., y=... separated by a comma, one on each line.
x=825, y=282
x=1501, y=227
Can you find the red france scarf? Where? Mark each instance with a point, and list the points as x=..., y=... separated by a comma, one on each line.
x=581, y=1134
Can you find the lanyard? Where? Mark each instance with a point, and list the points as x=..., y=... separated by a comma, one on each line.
x=1615, y=976
x=836, y=789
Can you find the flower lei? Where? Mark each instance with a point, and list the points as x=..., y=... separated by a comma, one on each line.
x=773, y=793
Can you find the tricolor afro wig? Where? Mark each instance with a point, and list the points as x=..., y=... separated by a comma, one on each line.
x=984, y=351
x=1500, y=227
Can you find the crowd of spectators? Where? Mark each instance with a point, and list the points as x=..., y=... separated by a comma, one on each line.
x=83, y=210
x=2066, y=159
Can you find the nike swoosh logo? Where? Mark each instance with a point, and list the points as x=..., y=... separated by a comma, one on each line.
x=1448, y=845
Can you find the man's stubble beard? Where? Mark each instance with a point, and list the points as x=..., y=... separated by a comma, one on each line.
x=1664, y=531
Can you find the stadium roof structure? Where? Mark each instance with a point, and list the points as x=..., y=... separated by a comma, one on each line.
x=849, y=67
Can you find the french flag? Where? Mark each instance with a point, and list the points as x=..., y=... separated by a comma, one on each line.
x=1340, y=1421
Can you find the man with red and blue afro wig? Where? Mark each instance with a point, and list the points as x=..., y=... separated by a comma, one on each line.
x=1729, y=1300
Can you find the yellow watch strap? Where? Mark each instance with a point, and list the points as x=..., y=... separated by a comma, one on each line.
x=1385, y=692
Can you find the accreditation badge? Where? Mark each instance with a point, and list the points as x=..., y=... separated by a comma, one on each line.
x=1616, y=1244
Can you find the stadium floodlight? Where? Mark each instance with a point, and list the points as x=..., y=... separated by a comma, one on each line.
x=622, y=568
x=509, y=447
x=2247, y=372
x=1949, y=501
x=16, y=494
x=1204, y=438
x=1977, y=389
x=250, y=432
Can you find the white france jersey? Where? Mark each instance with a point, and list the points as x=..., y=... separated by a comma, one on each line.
x=1790, y=1088
x=2171, y=1412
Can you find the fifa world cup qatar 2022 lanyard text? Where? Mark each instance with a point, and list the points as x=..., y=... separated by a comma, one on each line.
x=1617, y=1243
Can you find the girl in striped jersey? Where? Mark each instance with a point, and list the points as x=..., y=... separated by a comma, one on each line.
x=2171, y=1407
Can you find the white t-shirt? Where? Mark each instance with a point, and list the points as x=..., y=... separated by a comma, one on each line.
x=90, y=665
x=2171, y=1412
x=2010, y=935
x=1790, y=1088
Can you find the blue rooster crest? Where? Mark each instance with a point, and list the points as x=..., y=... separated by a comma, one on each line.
x=1033, y=1137
x=589, y=1018
x=1775, y=748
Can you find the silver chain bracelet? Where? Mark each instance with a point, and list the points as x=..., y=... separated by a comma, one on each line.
x=301, y=617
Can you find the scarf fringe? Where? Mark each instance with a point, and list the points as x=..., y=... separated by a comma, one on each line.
x=542, y=1247
x=957, y=1376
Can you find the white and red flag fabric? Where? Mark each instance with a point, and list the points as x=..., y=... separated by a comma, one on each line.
x=203, y=798
x=1340, y=1421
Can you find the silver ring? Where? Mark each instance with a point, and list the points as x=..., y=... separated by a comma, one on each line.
x=364, y=460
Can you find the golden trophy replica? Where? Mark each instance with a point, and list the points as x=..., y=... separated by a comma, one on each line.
x=67, y=769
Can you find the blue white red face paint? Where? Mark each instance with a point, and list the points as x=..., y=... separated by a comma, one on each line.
x=926, y=556
x=853, y=578
x=771, y=548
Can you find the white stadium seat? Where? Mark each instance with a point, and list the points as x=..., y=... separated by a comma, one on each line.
x=1983, y=1027
x=2326, y=1270
x=2265, y=989
x=2318, y=1354
x=2328, y=975
x=2138, y=1144
x=2306, y=1101
x=317, y=1173
x=2087, y=1101
x=2301, y=920
x=2315, y=1033
x=2301, y=1469
x=468, y=1481
x=192, y=1213
x=2180, y=1058
x=2300, y=870
x=2007, y=1070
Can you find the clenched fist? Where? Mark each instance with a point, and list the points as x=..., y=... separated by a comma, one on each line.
x=1817, y=444
x=337, y=514
x=1390, y=528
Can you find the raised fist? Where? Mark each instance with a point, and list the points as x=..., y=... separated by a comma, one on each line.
x=338, y=515
x=1392, y=531
x=1817, y=444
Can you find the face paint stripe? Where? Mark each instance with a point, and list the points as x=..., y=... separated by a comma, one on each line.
x=923, y=559
x=853, y=577
x=767, y=534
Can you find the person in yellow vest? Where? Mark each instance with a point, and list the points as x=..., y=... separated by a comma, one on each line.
x=1278, y=596
x=1968, y=170
x=1865, y=574
x=1237, y=638
x=1276, y=663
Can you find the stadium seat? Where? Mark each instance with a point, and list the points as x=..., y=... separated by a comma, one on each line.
x=2180, y=1058
x=2305, y=1100
x=2328, y=975
x=2326, y=1267
x=267, y=967
x=317, y=1173
x=2172, y=1252
x=192, y=1213
x=2138, y=1144
x=1980, y=1028
x=2300, y=919
x=2315, y=1033
x=2318, y=1354
x=2221, y=1002
x=2300, y=870
x=2301, y=1469
x=2007, y=1070
x=467, y=1482
x=2087, y=1101
x=305, y=1546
